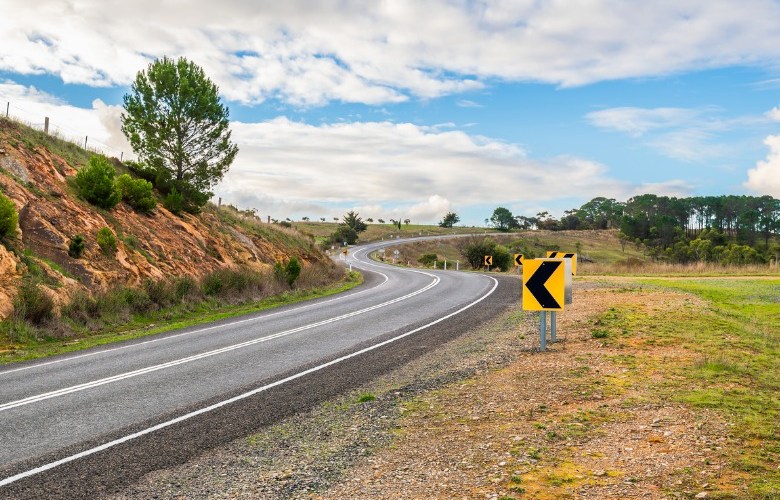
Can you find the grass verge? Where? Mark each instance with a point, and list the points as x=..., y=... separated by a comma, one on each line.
x=29, y=347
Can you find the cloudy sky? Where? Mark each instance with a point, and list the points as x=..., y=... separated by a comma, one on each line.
x=413, y=108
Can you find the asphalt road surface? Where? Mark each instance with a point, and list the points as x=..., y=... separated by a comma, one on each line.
x=88, y=423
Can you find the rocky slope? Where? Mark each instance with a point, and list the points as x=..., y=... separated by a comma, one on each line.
x=149, y=246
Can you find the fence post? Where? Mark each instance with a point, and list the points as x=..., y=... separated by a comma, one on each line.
x=46, y=125
x=85, y=141
x=121, y=155
x=7, y=107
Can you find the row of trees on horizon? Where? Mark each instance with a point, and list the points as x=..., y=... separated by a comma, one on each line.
x=730, y=229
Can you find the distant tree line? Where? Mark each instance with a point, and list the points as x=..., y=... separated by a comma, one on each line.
x=728, y=229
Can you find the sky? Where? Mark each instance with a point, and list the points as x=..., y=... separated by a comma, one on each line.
x=413, y=108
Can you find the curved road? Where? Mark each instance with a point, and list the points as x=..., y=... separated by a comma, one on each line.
x=92, y=421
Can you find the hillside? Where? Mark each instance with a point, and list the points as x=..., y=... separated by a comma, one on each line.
x=36, y=173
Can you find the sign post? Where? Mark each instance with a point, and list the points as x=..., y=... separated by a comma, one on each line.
x=488, y=261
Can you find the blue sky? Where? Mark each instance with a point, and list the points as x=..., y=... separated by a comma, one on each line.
x=413, y=108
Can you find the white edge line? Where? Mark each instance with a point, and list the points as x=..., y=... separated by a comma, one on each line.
x=245, y=395
x=200, y=330
x=195, y=357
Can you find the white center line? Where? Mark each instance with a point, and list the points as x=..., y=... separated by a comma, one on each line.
x=245, y=395
x=123, y=376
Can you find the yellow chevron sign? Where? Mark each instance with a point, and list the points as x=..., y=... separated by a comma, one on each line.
x=564, y=255
x=518, y=257
x=488, y=260
x=544, y=284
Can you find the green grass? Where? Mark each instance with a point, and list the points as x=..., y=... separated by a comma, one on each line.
x=366, y=397
x=30, y=347
x=735, y=368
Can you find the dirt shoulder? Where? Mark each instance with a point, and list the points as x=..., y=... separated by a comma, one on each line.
x=487, y=416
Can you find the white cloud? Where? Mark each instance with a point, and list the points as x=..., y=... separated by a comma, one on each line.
x=773, y=114
x=309, y=53
x=765, y=178
x=638, y=121
x=690, y=135
x=100, y=125
x=386, y=169
x=465, y=103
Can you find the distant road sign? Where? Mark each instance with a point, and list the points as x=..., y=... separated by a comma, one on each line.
x=518, y=259
x=396, y=252
x=543, y=285
x=564, y=255
x=488, y=261
x=345, y=251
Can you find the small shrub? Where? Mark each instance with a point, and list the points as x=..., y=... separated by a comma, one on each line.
x=285, y=223
x=289, y=272
x=427, y=259
x=365, y=398
x=174, y=202
x=226, y=281
x=600, y=334
x=9, y=218
x=161, y=293
x=184, y=287
x=137, y=193
x=292, y=270
x=95, y=183
x=33, y=305
x=76, y=246
x=106, y=240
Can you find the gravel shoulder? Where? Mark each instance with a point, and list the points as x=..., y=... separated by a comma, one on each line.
x=488, y=416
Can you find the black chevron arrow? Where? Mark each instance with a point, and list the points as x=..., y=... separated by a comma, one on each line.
x=535, y=285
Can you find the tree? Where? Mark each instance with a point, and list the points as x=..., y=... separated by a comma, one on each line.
x=407, y=221
x=502, y=219
x=352, y=219
x=449, y=220
x=177, y=125
x=344, y=233
x=95, y=183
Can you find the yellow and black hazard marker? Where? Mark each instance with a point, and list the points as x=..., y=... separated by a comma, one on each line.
x=543, y=285
x=564, y=255
x=518, y=258
x=488, y=260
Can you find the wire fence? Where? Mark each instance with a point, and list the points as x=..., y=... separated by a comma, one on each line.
x=41, y=122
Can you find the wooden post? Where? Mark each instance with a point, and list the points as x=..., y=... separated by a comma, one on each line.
x=46, y=125
x=85, y=141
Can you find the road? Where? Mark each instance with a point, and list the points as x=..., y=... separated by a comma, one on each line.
x=87, y=423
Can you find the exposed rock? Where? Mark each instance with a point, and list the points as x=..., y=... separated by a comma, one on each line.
x=152, y=246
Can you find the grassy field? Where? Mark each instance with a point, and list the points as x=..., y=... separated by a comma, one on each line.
x=733, y=367
x=376, y=232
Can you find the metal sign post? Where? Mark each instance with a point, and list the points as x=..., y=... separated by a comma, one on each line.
x=543, y=330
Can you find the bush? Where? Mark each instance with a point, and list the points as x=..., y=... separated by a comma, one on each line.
x=76, y=246
x=226, y=281
x=95, y=183
x=33, y=305
x=174, y=202
x=344, y=233
x=137, y=193
x=9, y=218
x=502, y=259
x=427, y=259
x=289, y=272
x=106, y=240
x=474, y=251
